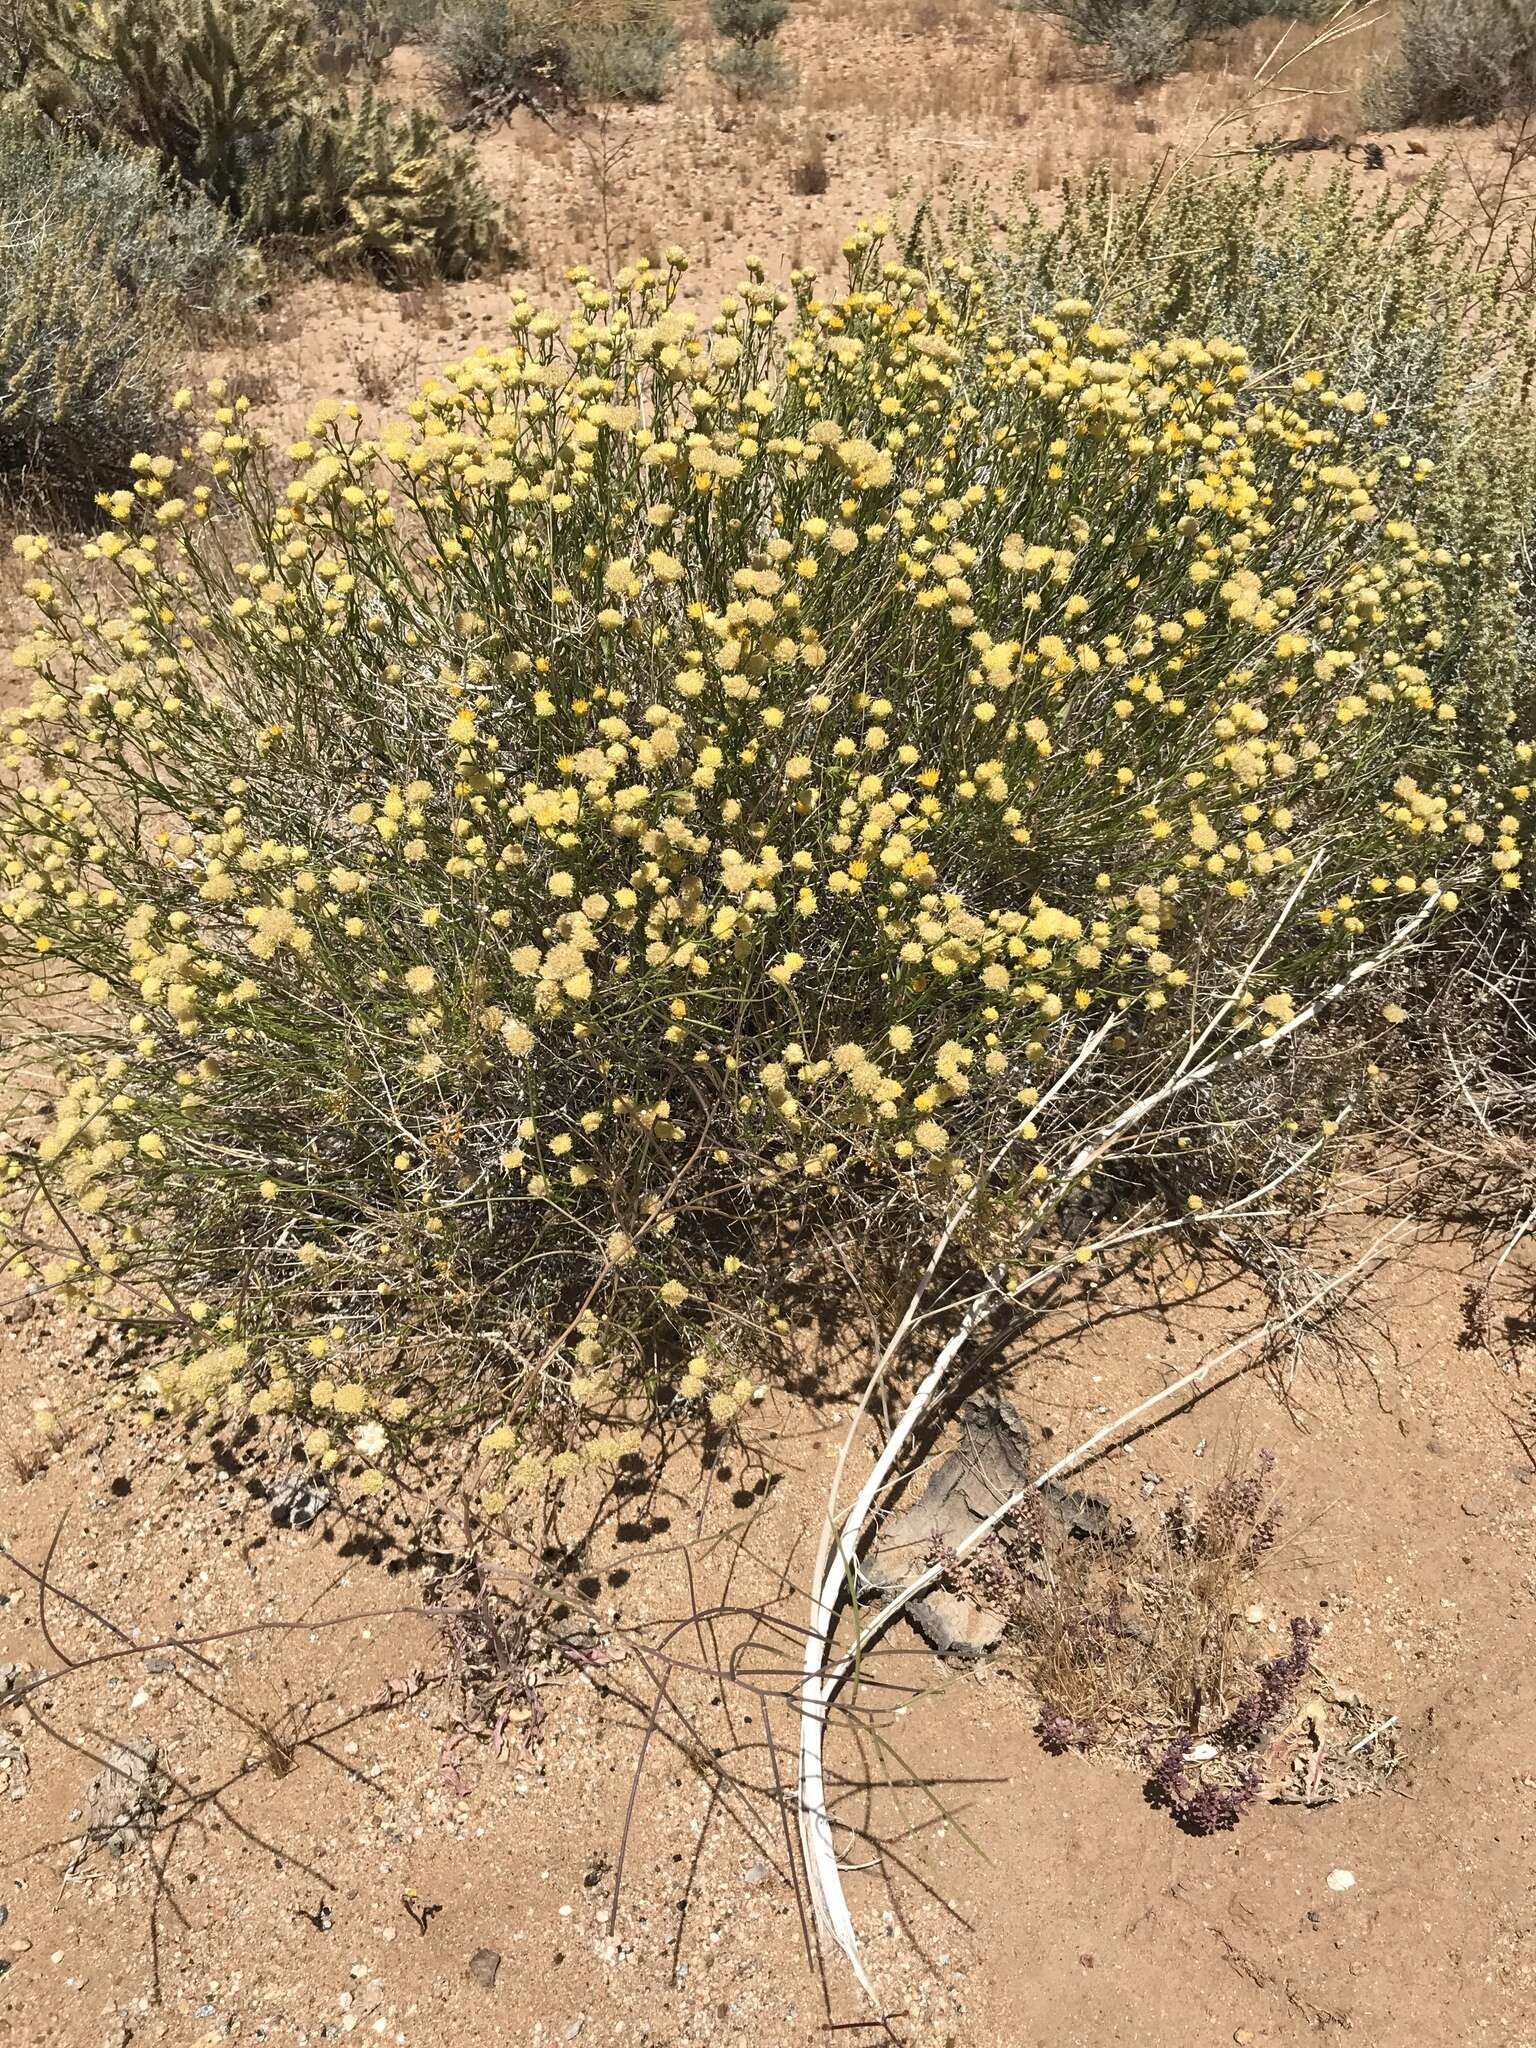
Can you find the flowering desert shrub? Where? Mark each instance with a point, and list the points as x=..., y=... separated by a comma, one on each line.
x=1384, y=297
x=536, y=881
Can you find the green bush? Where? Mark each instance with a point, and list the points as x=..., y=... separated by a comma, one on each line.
x=751, y=66
x=1457, y=60
x=479, y=48
x=623, y=54
x=363, y=183
x=558, y=870
x=748, y=21
x=753, y=71
x=1143, y=42
x=104, y=263
x=601, y=50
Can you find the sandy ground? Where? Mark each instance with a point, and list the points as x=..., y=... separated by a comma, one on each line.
x=320, y=1759
x=342, y=1835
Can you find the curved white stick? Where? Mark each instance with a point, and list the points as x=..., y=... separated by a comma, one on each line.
x=843, y=1538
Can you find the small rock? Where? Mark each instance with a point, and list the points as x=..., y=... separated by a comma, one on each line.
x=1341, y=1880
x=123, y=1800
x=991, y=1463
x=1243, y=2036
x=1202, y=1753
x=5, y=1914
x=158, y=1663
x=573, y=2029
x=757, y=1873
x=1476, y=1504
x=484, y=1964
x=1150, y=1482
x=1437, y=1447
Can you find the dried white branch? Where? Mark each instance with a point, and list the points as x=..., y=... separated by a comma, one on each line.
x=842, y=1538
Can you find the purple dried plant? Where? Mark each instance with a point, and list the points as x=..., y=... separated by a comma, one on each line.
x=1214, y=1807
x=1180, y=1521
x=1262, y=1541
x=1279, y=1681
x=1024, y=1530
x=1233, y=1508
x=1059, y=1731
x=1168, y=1777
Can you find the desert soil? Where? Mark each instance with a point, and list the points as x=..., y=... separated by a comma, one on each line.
x=336, y=1848
x=345, y=1845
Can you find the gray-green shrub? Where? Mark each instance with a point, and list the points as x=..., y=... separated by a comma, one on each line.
x=160, y=237
x=1457, y=60
x=1142, y=42
x=751, y=66
x=86, y=352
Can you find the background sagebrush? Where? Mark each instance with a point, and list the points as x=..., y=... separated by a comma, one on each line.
x=105, y=266
x=1143, y=42
x=1457, y=60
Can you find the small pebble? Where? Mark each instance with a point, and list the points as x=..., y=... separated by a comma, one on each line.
x=1475, y=1504
x=757, y=1873
x=1340, y=1880
x=483, y=1965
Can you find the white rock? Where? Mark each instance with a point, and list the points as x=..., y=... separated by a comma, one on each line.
x=1340, y=1880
